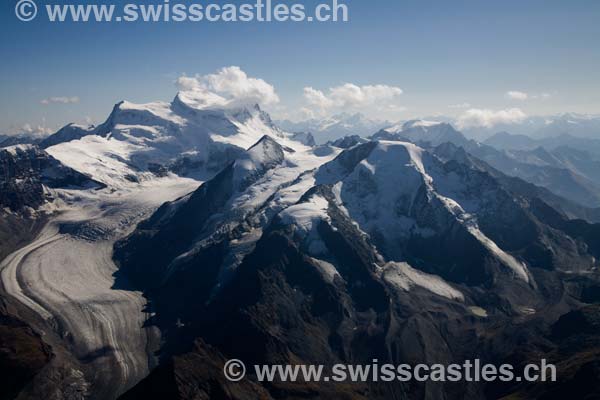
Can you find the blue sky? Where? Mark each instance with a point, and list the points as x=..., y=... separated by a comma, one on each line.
x=440, y=53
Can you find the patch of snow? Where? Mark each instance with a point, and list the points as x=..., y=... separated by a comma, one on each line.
x=527, y=310
x=394, y=128
x=105, y=160
x=517, y=266
x=306, y=215
x=404, y=277
x=16, y=148
x=327, y=269
x=478, y=311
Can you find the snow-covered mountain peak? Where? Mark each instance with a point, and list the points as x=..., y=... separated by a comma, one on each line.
x=156, y=114
x=185, y=136
x=196, y=100
x=373, y=157
x=264, y=155
x=423, y=131
x=396, y=190
x=420, y=123
x=191, y=104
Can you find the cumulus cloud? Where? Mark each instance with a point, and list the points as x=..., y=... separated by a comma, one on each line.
x=228, y=87
x=33, y=130
x=350, y=96
x=60, y=100
x=317, y=98
x=306, y=113
x=516, y=95
x=486, y=118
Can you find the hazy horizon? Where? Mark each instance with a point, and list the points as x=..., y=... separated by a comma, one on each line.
x=392, y=61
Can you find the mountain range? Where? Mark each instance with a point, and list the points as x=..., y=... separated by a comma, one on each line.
x=507, y=141
x=566, y=171
x=139, y=255
x=335, y=264
x=541, y=127
x=335, y=127
x=573, y=129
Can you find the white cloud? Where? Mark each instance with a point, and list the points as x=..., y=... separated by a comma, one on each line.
x=306, y=113
x=460, y=105
x=32, y=130
x=351, y=97
x=486, y=118
x=317, y=98
x=516, y=95
x=522, y=96
x=229, y=87
x=60, y=100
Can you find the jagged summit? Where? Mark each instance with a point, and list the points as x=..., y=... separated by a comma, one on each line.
x=266, y=154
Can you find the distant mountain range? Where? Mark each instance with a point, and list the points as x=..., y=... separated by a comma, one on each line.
x=507, y=141
x=540, y=127
x=566, y=171
x=580, y=126
x=335, y=127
